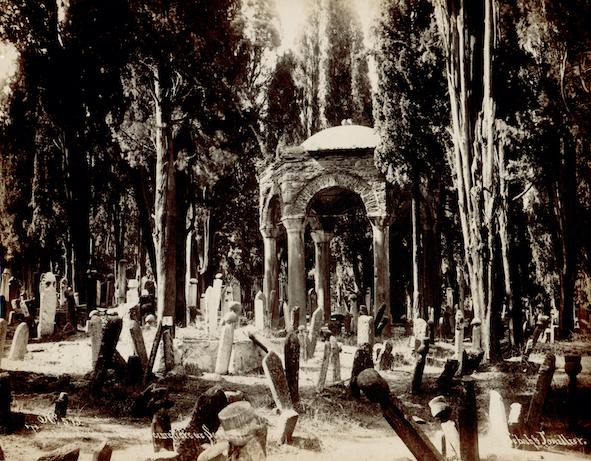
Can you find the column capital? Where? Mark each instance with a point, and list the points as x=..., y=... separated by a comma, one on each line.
x=294, y=223
x=320, y=236
x=380, y=221
x=269, y=231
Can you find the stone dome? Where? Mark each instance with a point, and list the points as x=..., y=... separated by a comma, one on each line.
x=344, y=137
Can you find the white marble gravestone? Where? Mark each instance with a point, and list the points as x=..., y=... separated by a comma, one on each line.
x=47, y=305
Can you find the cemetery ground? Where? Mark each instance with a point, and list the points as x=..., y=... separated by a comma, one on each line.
x=332, y=424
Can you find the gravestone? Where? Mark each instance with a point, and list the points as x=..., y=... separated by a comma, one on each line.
x=312, y=300
x=225, y=344
x=236, y=290
x=213, y=305
x=361, y=361
x=335, y=352
x=160, y=429
x=386, y=360
x=107, y=351
x=18, y=348
x=368, y=301
x=192, y=294
x=292, y=366
x=277, y=381
x=259, y=311
x=315, y=326
x=303, y=339
x=227, y=298
x=365, y=330
x=139, y=345
x=498, y=427
x=132, y=296
x=47, y=305
x=95, y=331
x=121, y=281
x=110, y=290
x=273, y=309
x=287, y=317
x=323, y=367
x=354, y=309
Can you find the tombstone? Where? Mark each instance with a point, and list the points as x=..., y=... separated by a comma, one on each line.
x=292, y=365
x=365, y=330
x=71, y=309
x=205, y=414
x=378, y=318
x=18, y=348
x=315, y=326
x=277, y=381
x=4, y=293
x=167, y=348
x=61, y=406
x=104, y=453
x=386, y=359
x=498, y=426
x=295, y=317
x=107, y=351
x=312, y=300
x=368, y=301
x=514, y=419
x=110, y=290
x=134, y=371
x=227, y=298
x=259, y=311
x=3, y=329
x=421, y=359
x=236, y=290
x=192, y=294
x=95, y=331
x=132, y=296
x=444, y=381
x=335, y=360
x=287, y=317
x=63, y=286
x=203, y=305
x=324, y=367
x=47, y=305
x=139, y=345
x=286, y=424
x=303, y=339
x=121, y=281
x=361, y=361
x=354, y=309
x=362, y=311
x=213, y=305
x=225, y=345
x=543, y=384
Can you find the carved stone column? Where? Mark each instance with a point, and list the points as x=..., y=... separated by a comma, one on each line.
x=322, y=272
x=296, y=271
x=271, y=271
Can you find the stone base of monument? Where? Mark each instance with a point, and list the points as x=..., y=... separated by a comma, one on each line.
x=202, y=354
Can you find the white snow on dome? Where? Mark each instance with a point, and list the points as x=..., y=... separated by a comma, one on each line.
x=344, y=137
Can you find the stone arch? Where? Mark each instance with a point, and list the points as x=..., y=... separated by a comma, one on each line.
x=270, y=208
x=341, y=179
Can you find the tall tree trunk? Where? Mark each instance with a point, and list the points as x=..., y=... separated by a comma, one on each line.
x=565, y=206
x=165, y=200
x=417, y=305
x=182, y=208
x=468, y=32
x=144, y=214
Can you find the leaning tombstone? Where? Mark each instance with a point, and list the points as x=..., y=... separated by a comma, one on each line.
x=95, y=331
x=225, y=344
x=323, y=367
x=18, y=348
x=277, y=381
x=315, y=326
x=292, y=366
